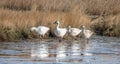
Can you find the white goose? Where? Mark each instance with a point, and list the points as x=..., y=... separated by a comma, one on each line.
x=87, y=33
x=59, y=32
x=73, y=31
x=41, y=30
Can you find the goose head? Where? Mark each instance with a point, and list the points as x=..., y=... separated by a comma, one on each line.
x=57, y=22
x=33, y=29
x=69, y=27
x=83, y=27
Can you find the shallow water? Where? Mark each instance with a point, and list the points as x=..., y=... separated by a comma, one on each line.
x=99, y=50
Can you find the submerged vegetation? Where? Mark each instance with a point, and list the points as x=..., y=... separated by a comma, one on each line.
x=18, y=16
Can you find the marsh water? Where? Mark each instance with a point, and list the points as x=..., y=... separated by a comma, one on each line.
x=98, y=50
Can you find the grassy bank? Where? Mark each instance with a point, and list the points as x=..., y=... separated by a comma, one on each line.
x=17, y=17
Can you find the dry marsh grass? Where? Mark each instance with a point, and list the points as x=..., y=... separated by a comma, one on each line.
x=17, y=17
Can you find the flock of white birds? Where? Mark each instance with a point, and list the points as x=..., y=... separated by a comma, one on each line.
x=60, y=32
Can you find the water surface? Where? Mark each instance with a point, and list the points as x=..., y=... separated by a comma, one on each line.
x=99, y=50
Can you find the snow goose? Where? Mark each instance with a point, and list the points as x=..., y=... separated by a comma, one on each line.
x=87, y=33
x=74, y=31
x=41, y=30
x=59, y=32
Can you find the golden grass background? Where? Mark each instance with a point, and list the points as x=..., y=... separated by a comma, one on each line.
x=18, y=16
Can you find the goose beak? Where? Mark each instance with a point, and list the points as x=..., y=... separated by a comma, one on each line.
x=30, y=31
x=54, y=23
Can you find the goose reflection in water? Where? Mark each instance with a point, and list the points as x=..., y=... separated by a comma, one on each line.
x=75, y=49
x=85, y=48
x=61, y=51
x=80, y=48
x=40, y=51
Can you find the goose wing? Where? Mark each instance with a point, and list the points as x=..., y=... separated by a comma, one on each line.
x=88, y=33
x=75, y=31
x=43, y=29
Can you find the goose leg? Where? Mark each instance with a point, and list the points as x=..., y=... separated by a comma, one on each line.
x=87, y=40
x=40, y=36
x=44, y=36
x=75, y=38
x=60, y=39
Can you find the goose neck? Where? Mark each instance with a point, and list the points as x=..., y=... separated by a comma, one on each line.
x=36, y=29
x=57, y=26
x=83, y=29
